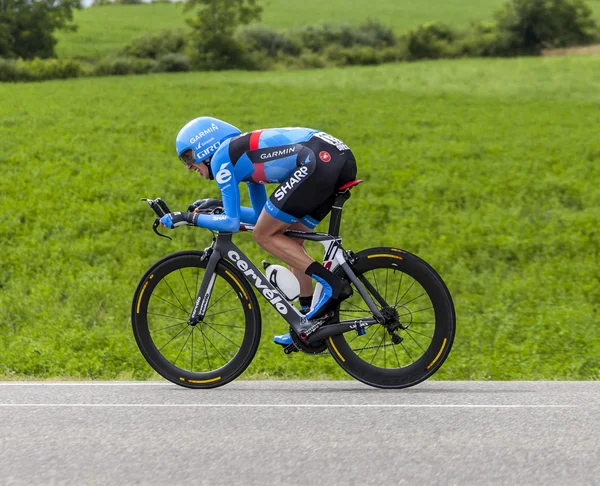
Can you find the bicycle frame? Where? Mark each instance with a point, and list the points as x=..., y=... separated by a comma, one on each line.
x=334, y=256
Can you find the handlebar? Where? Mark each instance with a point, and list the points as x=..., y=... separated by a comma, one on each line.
x=160, y=208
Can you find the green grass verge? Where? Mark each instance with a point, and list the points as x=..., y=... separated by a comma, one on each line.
x=487, y=169
x=105, y=30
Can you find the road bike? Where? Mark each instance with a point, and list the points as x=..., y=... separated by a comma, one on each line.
x=197, y=320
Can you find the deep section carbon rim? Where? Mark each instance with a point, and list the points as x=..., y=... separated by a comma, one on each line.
x=211, y=352
x=419, y=333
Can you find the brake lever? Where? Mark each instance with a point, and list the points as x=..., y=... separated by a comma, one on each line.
x=156, y=225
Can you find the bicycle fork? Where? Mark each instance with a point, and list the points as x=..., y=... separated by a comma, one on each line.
x=203, y=296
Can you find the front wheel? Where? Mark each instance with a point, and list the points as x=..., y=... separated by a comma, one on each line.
x=204, y=355
x=418, y=335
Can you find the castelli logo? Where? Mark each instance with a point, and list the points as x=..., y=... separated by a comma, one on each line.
x=325, y=156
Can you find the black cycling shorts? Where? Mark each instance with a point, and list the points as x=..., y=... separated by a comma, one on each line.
x=308, y=194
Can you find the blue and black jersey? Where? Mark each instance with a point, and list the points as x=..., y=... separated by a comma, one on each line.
x=308, y=165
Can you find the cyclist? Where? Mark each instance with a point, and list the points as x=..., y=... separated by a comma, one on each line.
x=309, y=165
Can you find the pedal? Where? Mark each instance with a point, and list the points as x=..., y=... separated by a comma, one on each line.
x=290, y=348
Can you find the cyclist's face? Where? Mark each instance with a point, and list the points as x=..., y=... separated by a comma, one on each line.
x=187, y=158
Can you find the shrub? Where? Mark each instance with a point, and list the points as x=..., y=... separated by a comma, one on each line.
x=361, y=55
x=123, y=65
x=52, y=68
x=309, y=60
x=38, y=69
x=431, y=41
x=375, y=34
x=527, y=26
x=319, y=38
x=479, y=40
x=173, y=63
x=155, y=45
x=264, y=39
x=9, y=72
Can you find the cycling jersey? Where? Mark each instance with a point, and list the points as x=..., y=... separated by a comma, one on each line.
x=308, y=164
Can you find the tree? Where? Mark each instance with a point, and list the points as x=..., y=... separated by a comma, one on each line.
x=213, y=41
x=27, y=26
x=528, y=26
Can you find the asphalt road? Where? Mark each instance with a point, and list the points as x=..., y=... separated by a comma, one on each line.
x=251, y=432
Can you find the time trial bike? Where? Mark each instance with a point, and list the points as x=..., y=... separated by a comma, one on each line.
x=197, y=320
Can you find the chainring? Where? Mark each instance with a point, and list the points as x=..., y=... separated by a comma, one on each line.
x=307, y=348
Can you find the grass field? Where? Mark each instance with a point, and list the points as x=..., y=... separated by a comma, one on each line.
x=105, y=30
x=487, y=169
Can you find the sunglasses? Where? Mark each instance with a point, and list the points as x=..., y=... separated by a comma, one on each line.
x=187, y=158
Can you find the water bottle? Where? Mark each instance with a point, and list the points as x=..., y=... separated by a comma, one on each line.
x=283, y=280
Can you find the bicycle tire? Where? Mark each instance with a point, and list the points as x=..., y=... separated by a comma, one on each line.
x=156, y=302
x=434, y=338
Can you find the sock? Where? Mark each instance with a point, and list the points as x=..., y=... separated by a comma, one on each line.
x=305, y=302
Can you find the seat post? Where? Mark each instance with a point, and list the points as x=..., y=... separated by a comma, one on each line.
x=336, y=212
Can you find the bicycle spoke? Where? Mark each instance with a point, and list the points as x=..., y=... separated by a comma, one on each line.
x=384, y=352
x=370, y=337
x=220, y=334
x=386, y=281
x=412, y=300
x=163, y=315
x=353, y=339
x=217, y=349
x=419, y=333
x=205, y=348
x=186, y=287
x=222, y=312
x=169, y=327
x=186, y=341
x=399, y=285
x=415, y=341
x=161, y=348
x=414, y=312
x=174, y=295
x=407, y=290
x=376, y=286
x=218, y=300
x=170, y=303
x=354, y=305
x=397, y=359
x=225, y=325
x=378, y=348
x=406, y=350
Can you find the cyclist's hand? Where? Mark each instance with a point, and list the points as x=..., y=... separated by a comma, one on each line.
x=173, y=220
x=207, y=206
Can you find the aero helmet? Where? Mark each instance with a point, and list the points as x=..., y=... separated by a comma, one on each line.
x=204, y=135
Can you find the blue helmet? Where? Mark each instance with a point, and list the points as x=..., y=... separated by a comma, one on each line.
x=204, y=135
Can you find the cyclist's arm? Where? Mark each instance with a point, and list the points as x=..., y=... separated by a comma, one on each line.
x=258, y=199
x=229, y=221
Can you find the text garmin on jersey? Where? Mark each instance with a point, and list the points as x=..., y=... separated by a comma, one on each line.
x=278, y=153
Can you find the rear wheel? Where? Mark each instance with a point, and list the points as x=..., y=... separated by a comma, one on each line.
x=210, y=353
x=417, y=338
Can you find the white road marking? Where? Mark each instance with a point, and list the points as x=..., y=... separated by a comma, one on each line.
x=267, y=405
x=83, y=383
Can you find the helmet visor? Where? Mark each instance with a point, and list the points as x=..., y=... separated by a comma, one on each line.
x=187, y=157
